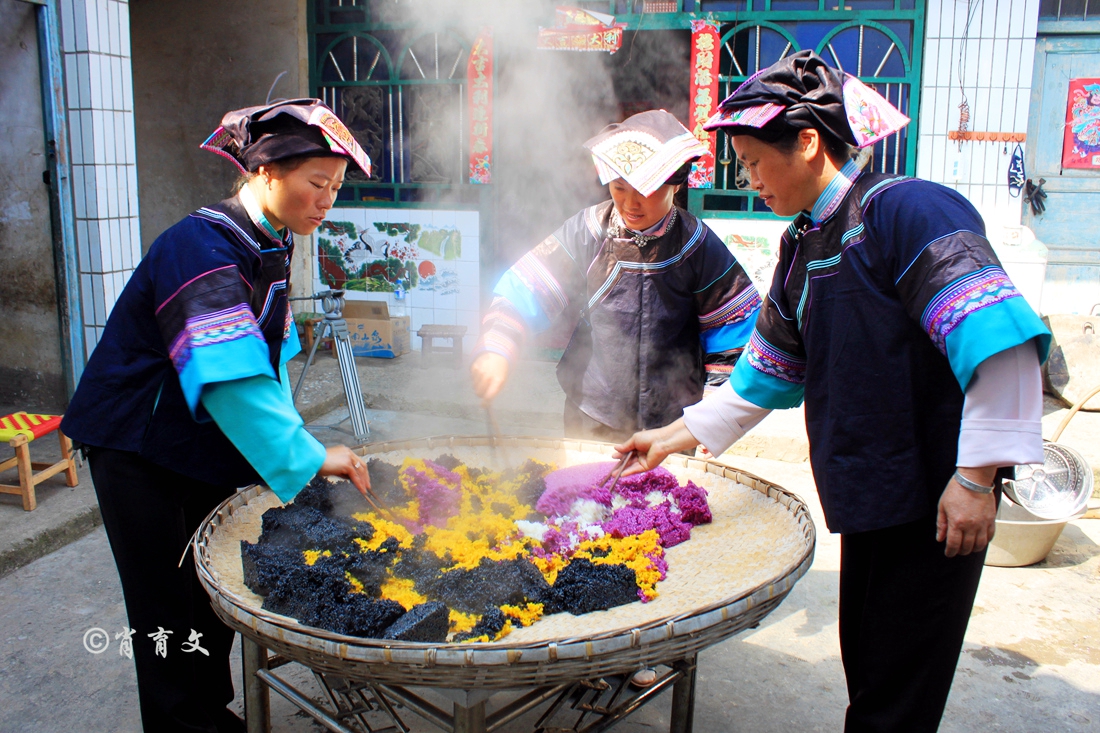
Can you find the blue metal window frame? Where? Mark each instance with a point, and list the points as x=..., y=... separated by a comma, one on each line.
x=880, y=15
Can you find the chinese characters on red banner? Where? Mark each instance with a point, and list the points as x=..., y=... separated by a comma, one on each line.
x=576, y=29
x=704, y=97
x=480, y=92
x=1081, y=144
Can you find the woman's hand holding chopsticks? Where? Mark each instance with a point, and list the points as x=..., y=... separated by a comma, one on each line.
x=651, y=447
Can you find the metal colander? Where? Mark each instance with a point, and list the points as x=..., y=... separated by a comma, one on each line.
x=1057, y=488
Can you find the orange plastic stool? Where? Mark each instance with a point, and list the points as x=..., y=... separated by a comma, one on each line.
x=18, y=429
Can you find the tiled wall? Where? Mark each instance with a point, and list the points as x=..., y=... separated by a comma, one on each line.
x=997, y=59
x=96, y=47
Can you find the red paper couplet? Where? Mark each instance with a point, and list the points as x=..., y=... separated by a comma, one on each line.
x=479, y=74
x=704, y=97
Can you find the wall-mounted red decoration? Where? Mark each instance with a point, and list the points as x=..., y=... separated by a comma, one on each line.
x=576, y=29
x=704, y=97
x=1081, y=144
x=479, y=75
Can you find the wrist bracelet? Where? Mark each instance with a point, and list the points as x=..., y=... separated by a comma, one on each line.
x=966, y=483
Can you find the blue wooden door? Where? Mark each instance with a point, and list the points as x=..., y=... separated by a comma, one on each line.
x=1073, y=195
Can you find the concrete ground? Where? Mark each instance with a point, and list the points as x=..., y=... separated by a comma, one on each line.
x=1031, y=660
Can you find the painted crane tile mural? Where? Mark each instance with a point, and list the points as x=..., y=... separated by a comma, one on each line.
x=422, y=263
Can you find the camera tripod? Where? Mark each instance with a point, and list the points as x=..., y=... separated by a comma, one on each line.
x=334, y=326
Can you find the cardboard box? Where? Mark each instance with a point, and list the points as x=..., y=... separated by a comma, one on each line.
x=374, y=332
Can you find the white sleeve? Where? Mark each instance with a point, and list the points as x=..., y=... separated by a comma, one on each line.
x=1003, y=411
x=721, y=419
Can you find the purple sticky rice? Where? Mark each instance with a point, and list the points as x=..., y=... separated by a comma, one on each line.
x=438, y=490
x=566, y=485
x=691, y=500
x=632, y=520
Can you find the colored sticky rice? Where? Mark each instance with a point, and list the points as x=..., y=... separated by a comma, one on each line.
x=463, y=548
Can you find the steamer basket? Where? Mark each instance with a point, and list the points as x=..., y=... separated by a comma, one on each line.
x=504, y=665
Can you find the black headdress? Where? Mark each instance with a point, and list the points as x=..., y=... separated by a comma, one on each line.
x=255, y=136
x=801, y=91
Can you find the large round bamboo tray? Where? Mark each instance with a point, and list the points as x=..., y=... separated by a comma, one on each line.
x=512, y=662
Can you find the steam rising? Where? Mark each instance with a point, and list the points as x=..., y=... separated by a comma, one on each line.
x=546, y=104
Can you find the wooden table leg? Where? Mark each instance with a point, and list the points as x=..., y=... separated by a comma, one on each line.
x=471, y=719
x=683, y=698
x=257, y=698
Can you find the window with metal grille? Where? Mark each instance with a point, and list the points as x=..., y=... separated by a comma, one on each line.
x=1069, y=10
x=402, y=91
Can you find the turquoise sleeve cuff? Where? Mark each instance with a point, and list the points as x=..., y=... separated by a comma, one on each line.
x=512, y=289
x=730, y=336
x=990, y=331
x=259, y=420
x=292, y=346
x=224, y=362
x=764, y=390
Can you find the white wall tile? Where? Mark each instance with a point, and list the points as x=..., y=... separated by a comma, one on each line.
x=124, y=28
x=99, y=308
x=95, y=247
x=471, y=247
x=467, y=223
x=936, y=20
x=105, y=251
x=109, y=295
x=116, y=80
x=117, y=244
x=103, y=22
x=84, y=81
x=72, y=80
x=132, y=188
x=985, y=20
x=83, y=257
x=112, y=24
x=104, y=193
x=127, y=86
x=1002, y=26
x=469, y=298
x=443, y=219
x=87, y=298
x=95, y=81
x=80, y=197
x=65, y=20
x=91, y=15
x=76, y=139
x=1027, y=61
x=981, y=114
x=90, y=340
x=119, y=128
x=130, y=140
x=1031, y=21
x=91, y=193
x=123, y=191
x=80, y=26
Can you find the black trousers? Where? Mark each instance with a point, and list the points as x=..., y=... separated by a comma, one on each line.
x=150, y=514
x=904, y=608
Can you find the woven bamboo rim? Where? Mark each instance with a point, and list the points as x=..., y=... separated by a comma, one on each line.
x=502, y=664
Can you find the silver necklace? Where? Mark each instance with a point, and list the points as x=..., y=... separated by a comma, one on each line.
x=619, y=230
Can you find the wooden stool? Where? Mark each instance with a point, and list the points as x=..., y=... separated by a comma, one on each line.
x=429, y=332
x=19, y=429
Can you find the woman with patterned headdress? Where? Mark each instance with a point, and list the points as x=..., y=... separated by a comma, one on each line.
x=186, y=396
x=918, y=361
x=655, y=294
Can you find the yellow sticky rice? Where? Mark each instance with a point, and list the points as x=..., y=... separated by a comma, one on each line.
x=485, y=527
